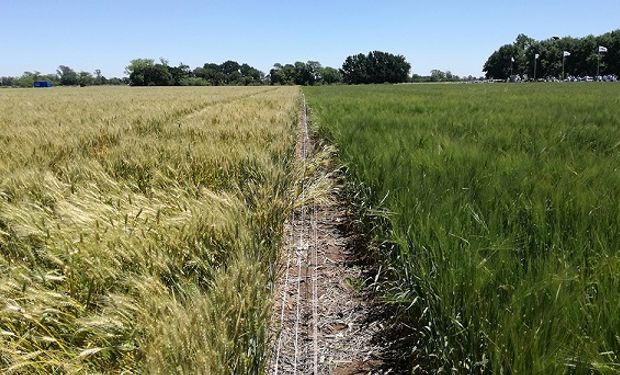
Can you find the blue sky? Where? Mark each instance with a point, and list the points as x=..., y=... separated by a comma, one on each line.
x=448, y=35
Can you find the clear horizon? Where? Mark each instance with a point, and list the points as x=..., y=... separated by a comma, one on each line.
x=454, y=36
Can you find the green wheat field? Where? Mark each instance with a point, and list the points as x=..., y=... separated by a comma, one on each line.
x=503, y=207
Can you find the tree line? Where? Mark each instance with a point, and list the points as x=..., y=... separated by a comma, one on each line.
x=147, y=72
x=547, y=56
x=374, y=67
x=437, y=76
x=64, y=76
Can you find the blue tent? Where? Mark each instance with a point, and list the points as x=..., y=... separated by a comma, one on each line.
x=42, y=84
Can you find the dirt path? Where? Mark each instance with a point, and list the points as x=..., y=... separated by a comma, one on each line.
x=320, y=321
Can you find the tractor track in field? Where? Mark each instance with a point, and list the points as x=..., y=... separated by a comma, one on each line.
x=201, y=109
x=321, y=323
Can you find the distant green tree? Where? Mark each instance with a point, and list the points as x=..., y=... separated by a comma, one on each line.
x=117, y=81
x=136, y=70
x=329, y=75
x=314, y=67
x=303, y=74
x=25, y=80
x=67, y=76
x=498, y=64
x=178, y=74
x=144, y=72
x=355, y=69
x=7, y=81
x=194, y=81
x=376, y=67
x=610, y=61
x=420, y=79
x=99, y=79
x=440, y=76
x=250, y=75
x=437, y=75
x=232, y=73
x=211, y=73
x=282, y=74
x=157, y=75
x=85, y=79
x=230, y=67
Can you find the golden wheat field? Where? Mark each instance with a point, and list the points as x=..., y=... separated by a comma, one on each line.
x=139, y=227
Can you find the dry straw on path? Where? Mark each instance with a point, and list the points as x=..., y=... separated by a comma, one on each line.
x=320, y=321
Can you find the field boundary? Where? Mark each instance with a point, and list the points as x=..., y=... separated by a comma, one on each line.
x=321, y=323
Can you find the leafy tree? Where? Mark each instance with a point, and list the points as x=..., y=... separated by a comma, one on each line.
x=230, y=67
x=376, y=67
x=144, y=72
x=211, y=73
x=452, y=77
x=300, y=73
x=25, y=80
x=7, y=81
x=178, y=74
x=437, y=75
x=228, y=73
x=282, y=74
x=355, y=69
x=610, y=61
x=157, y=75
x=85, y=79
x=99, y=78
x=231, y=70
x=136, y=71
x=250, y=75
x=498, y=64
x=67, y=76
x=303, y=74
x=329, y=75
x=314, y=68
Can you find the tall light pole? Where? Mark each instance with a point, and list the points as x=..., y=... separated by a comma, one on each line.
x=555, y=43
x=564, y=55
x=536, y=56
x=598, y=69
